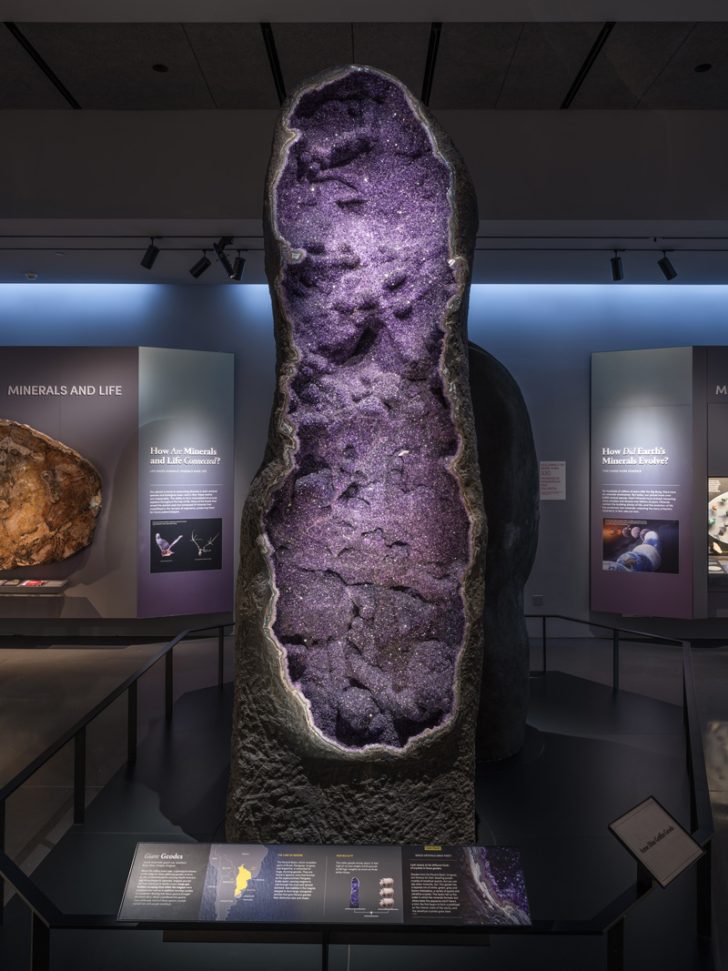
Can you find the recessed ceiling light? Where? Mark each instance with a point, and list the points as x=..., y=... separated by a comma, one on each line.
x=160, y=68
x=702, y=68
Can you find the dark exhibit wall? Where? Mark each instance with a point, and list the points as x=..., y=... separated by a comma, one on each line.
x=543, y=334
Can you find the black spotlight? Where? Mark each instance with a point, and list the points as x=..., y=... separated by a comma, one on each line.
x=201, y=265
x=668, y=270
x=617, y=271
x=238, y=267
x=151, y=254
x=219, y=248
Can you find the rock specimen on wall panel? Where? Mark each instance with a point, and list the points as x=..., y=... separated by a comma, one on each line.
x=362, y=544
x=50, y=498
x=509, y=475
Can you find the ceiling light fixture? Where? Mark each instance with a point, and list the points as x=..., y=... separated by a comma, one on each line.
x=219, y=248
x=668, y=270
x=238, y=267
x=151, y=254
x=201, y=265
x=616, y=263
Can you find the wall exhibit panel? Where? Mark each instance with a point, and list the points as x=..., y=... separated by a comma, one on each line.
x=78, y=426
x=642, y=488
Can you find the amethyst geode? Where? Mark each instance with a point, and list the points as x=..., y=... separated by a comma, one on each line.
x=360, y=588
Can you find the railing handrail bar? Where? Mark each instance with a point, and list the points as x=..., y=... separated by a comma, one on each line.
x=619, y=630
x=33, y=896
x=39, y=761
x=698, y=777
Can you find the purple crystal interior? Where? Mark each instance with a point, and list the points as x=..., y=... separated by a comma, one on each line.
x=369, y=532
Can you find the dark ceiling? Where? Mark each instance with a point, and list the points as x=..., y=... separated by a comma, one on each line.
x=157, y=66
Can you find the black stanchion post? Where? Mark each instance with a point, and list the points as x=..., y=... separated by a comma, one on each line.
x=2, y=850
x=40, y=944
x=325, y=951
x=131, y=725
x=543, y=642
x=615, y=946
x=220, y=655
x=79, y=775
x=644, y=877
x=615, y=661
x=704, y=894
x=169, y=683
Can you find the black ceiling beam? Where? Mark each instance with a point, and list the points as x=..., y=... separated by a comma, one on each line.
x=435, y=29
x=588, y=63
x=275, y=64
x=45, y=68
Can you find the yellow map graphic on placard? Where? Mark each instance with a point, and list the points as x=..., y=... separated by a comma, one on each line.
x=244, y=877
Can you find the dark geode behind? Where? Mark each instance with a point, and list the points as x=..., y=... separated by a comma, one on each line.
x=509, y=475
x=361, y=577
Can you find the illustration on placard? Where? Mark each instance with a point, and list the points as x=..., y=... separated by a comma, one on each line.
x=640, y=545
x=718, y=526
x=185, y=545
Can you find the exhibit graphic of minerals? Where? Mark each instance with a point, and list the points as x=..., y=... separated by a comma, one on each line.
x=718, y=527
x=99, y=447
x=295, y=883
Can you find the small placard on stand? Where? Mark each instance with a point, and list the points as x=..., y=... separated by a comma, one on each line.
x=656, y=840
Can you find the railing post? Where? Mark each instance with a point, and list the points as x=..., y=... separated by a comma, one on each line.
x=131, y=724
x=169, y=683
x=543, y=642
x=325, y=951
x=79, y=775
x=615, y=946
x=615, y=661
x=40, y=944
x=704, y=892
x=2, y=849
x=220, y=655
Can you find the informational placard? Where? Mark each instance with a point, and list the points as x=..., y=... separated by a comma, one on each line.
x=642, y=482
x=656, y=840
x=552, y=480
x=186, y=484
x=275, y=883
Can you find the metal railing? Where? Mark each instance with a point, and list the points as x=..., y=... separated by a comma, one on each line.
x=77, y=735
x=618, y=635
x=608, y=923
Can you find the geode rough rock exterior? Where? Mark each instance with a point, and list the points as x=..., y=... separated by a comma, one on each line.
x=509, y=475
x=362, y=543
x=50, y=498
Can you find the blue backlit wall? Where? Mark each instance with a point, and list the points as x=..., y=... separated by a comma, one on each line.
x=544, y=334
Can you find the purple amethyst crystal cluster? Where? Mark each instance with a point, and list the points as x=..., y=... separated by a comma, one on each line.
x=362, y=542
x=369, y=532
